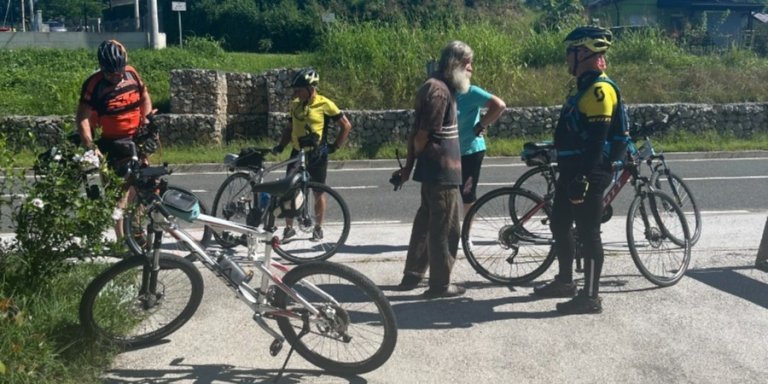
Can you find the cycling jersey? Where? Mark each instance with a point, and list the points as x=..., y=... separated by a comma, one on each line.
x=117, y=107
x=312, y=118
x=585, y=120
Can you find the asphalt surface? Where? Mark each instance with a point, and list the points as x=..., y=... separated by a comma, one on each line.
x=712, y=327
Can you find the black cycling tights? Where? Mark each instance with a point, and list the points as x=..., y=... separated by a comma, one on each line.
x=587, y=217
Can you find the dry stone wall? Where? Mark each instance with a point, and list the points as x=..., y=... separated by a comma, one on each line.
x=211, y=107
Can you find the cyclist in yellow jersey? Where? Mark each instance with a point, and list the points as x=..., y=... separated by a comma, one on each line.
x=582, y=139
x=311, y=115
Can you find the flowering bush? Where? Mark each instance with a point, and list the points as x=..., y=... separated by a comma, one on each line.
x=55, y=219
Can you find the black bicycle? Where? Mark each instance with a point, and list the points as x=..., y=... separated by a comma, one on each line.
x=319, y=218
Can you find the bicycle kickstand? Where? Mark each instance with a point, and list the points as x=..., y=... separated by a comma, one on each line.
x=304, y=331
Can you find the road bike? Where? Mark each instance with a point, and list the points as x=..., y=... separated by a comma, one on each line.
x=541, y=179
x=506, y=235
x=332, y=315
x=239, y=199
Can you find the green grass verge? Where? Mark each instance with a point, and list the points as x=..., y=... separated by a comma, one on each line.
x=41, y=341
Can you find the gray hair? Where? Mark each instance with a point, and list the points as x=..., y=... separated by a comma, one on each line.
x=453, y=55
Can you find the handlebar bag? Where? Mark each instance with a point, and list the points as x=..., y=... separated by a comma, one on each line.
x=249, y=158
x=185, y=206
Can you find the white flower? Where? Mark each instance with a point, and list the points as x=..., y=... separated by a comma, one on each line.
x=38, y=203
x=57, y=157
x=117, y=214
x=76, y=158
x=90, y=159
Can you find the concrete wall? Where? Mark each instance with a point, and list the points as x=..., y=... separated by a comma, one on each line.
x=131, y=40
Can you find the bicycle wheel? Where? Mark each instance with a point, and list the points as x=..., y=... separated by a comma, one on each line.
x=135, y=228
x=304, y=246
x=506, y=236
x=356, y=331
x=673, y=185
x=119, y=305
x=658, y=238
x=234, y=201
x=539, y=180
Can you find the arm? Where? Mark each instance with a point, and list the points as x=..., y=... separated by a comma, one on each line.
x=84, y=125
x=495, y=107
x=285, y=138
x=146, y=106
x=346, y=127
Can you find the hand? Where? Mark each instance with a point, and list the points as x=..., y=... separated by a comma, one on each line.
x=479, y=129
x=577, y=189
x=399, y=178
x=277, y=149
x=332, y=148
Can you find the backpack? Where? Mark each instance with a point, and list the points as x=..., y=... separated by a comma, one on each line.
x=615, y=147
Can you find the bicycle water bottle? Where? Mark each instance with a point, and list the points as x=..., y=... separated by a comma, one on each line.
x=233, y=271
x=263, y=200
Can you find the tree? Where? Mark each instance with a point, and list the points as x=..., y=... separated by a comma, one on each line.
x=71, y=11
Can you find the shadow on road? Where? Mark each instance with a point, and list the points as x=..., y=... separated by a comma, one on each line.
x=744, y=282
x=219, y=373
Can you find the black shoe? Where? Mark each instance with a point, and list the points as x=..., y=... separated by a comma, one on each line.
x=409, y=282
x=762, y=265
x=581, y=304
x=288, y=232
x=317, y=234
x=555, y=288
x=451, y=290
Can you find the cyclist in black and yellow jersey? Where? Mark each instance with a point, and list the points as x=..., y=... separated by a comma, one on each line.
x=311, y=115
x=586, y=151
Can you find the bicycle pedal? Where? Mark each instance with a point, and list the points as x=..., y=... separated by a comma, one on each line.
x=275, y=347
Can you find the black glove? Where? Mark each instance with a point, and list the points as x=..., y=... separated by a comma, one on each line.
x=150, y=145
x=577, y=189
x=277, y=149
x=396, y=180
x=332, y=148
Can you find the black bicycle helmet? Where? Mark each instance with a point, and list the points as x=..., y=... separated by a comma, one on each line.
x=594, y=38
x=112, y=56
x=306, y=77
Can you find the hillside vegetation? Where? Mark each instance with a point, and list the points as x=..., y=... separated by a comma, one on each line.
x=379, y=65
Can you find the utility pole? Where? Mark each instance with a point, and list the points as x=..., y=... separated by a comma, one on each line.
x=136, y=16
x=32, y=25
x=23, y=27
x=154, y=34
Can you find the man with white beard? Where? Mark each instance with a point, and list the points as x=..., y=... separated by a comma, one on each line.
x=434, y=146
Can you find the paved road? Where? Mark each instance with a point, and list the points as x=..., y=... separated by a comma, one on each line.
x=712, y=327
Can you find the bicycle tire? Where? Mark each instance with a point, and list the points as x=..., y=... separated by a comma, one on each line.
x=303, y=247
x=534, y=180
x=362, y=313
x=135, y=227
x=507, y=249
x=234, y=201
x=660, y=250
x=113, y=307
x=673, y=185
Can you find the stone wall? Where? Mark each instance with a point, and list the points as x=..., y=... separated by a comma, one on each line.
x=211, y=107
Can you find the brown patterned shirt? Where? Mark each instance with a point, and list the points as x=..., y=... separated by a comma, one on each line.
x=440, y=162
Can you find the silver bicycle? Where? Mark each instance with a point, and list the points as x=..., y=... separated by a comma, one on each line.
x=332, y=315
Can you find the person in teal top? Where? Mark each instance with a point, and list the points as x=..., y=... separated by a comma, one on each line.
x=471, y=141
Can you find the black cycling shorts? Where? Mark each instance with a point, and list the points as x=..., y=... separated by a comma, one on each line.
x=470, y=175
x=316, y=163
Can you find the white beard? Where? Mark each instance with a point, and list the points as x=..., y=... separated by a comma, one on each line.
x=459, y=79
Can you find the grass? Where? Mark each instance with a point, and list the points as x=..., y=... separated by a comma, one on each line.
x=41, y=341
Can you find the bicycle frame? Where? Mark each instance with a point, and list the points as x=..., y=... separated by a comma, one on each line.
x=257, y=299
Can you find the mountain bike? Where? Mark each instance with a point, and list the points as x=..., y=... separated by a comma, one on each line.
x=143, y=144
x=541, y=179
x=332, y=315
x=240, y=199
x=506, y=235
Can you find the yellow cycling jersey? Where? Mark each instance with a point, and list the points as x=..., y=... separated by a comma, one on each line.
x=311, y=118
x=598, y=102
